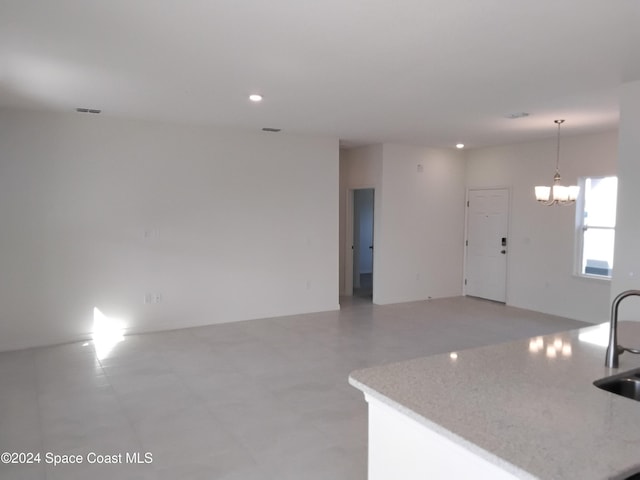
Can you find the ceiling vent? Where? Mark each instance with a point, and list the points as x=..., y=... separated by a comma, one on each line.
x=517, y=115
x=88, y=110
x=272, y=130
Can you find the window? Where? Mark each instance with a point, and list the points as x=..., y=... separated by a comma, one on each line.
x=596, y=223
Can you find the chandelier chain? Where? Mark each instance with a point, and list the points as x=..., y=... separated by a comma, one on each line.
x=559, y=122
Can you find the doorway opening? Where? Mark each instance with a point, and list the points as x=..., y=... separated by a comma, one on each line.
x=362, y=243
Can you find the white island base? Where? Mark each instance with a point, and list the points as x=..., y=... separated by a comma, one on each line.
x=402, y=448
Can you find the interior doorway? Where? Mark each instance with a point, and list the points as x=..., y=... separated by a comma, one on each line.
x=362, y=242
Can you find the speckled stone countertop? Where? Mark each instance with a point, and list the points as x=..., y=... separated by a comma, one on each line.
x=528, y=406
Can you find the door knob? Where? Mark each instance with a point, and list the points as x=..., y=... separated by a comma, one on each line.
x=504, y=252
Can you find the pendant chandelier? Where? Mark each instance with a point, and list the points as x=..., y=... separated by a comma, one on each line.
x=557, y=194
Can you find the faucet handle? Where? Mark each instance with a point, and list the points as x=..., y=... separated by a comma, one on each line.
x=630, y=350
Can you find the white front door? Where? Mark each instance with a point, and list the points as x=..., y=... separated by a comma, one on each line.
x=487, y=244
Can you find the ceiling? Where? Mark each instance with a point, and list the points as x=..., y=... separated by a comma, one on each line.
x=427, y=72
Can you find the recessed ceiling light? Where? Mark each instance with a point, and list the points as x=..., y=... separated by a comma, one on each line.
x=459, y=145
x=255, y=97
x=517, y=115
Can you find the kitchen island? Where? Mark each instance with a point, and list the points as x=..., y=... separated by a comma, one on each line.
x=526, y=409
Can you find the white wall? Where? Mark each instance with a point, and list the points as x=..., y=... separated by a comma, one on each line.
x=419, y=232
x=542, y=239
x=239, y=225
x=626, y=270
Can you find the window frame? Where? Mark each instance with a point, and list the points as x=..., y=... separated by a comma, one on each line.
x=581, y=228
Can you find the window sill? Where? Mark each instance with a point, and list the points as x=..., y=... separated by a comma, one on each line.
x=593, y=278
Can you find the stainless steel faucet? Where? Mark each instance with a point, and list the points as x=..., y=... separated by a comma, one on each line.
x=614, y=350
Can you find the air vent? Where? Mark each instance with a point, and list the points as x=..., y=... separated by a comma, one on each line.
x=272, y=130
x=88, y=110
x=517, y=115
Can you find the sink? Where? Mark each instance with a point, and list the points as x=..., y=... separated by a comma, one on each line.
x=626, y=384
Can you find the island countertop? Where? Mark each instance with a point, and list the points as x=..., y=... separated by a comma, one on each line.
x=528, y=406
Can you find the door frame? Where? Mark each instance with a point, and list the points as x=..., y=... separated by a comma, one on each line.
x=466, y=236
x=348, y=250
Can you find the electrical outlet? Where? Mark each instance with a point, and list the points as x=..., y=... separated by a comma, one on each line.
x=151, y=233
x=150, y=298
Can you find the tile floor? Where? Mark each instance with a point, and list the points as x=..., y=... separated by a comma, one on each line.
x=256, y=400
